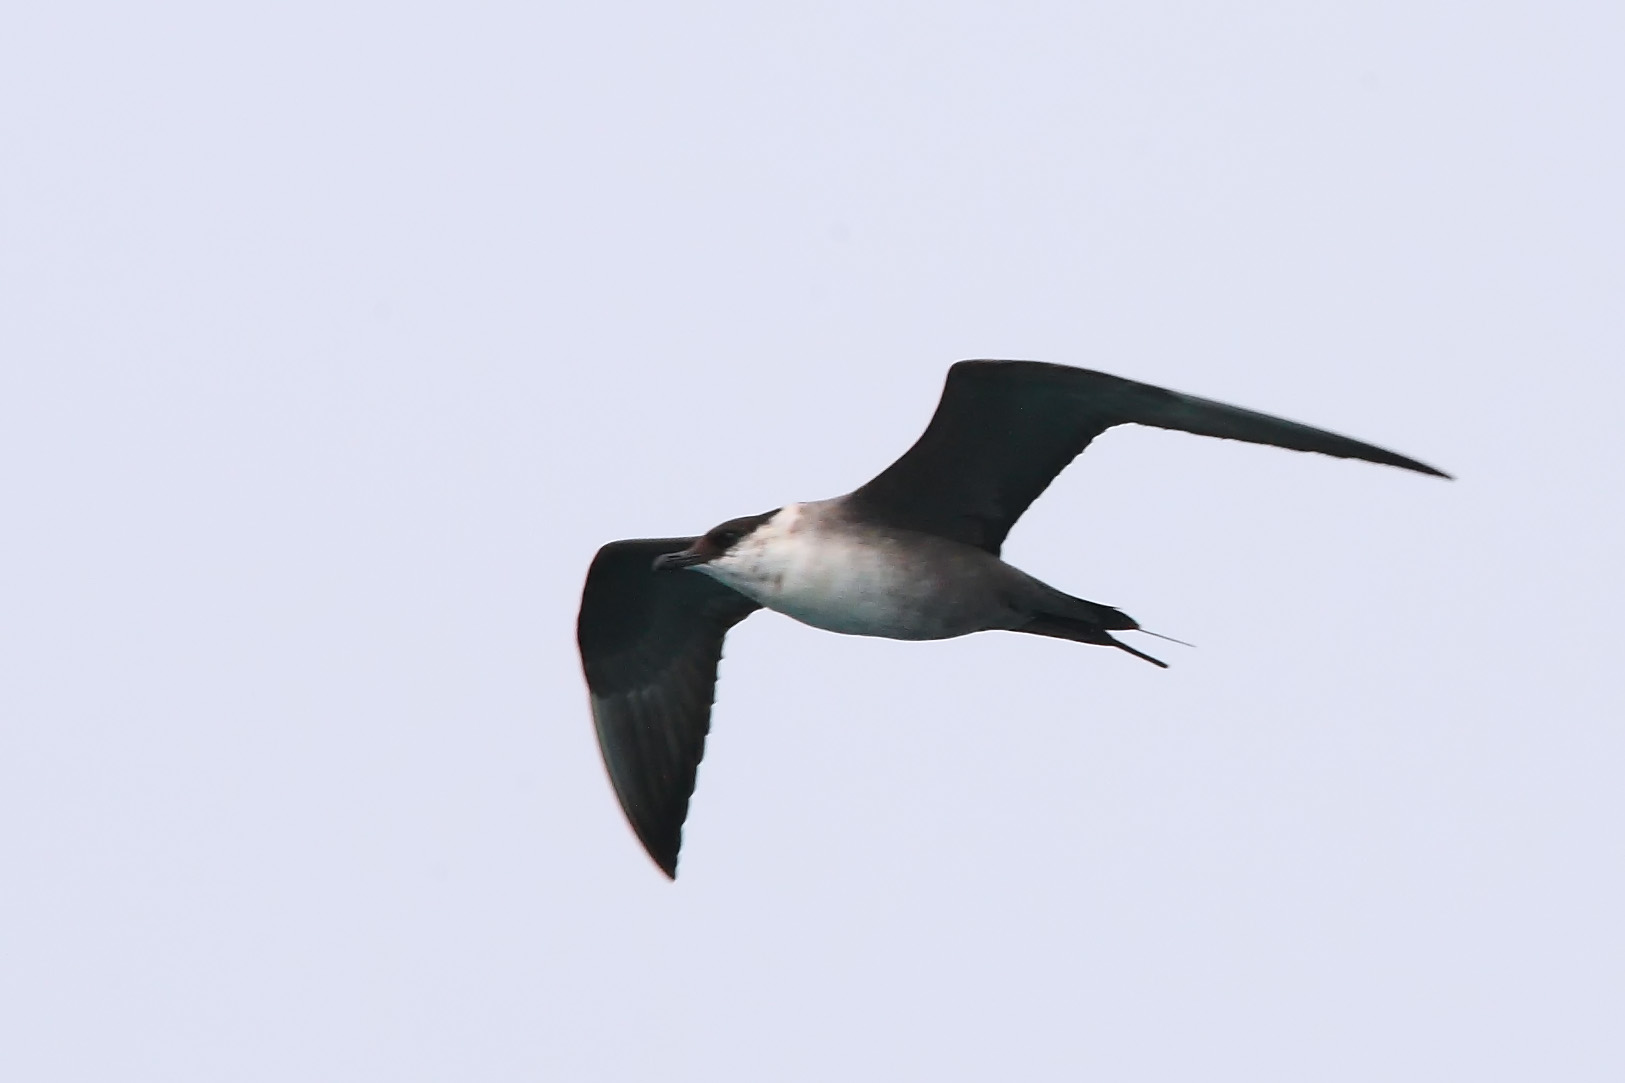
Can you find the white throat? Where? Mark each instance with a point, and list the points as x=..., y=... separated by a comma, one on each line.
x=813, y=567
x=758, y=565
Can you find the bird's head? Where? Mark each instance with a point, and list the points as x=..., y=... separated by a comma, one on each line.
x=719, y=541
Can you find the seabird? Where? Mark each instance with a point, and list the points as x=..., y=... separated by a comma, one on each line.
x=912, y=554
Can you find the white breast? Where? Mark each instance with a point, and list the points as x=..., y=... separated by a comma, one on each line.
x=833, y=580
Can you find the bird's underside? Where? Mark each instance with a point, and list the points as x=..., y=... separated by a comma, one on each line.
x=901, y=556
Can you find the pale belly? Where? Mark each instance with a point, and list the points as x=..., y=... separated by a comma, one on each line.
x=856, y=589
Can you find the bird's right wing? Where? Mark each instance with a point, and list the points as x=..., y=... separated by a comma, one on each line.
x=650, y=642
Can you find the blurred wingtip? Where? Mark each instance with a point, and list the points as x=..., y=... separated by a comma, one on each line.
x=1405, y=462
x=663, y=853
x=1424, y=468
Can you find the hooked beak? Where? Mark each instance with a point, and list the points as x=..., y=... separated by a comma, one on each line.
x=686, y=559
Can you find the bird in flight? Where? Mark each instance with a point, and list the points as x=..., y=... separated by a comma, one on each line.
x=912, y=554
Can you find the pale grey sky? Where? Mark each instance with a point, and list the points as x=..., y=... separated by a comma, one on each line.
x=336, y=337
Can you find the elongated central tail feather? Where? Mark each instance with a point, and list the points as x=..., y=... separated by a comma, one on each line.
x=1089, y=630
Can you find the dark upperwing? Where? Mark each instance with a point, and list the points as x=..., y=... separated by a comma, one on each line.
x=1004, y=429
x=650, y=643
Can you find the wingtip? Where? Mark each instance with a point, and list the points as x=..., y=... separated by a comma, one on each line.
x=664, y=857
x=1424, y=468
x=1405, y=462
x=661, y=841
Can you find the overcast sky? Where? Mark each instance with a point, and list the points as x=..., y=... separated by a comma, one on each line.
x=335, y=338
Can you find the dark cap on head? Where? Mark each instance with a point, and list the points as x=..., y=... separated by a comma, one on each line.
x=714, y=542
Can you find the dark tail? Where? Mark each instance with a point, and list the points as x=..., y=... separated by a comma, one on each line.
x=1092, y=623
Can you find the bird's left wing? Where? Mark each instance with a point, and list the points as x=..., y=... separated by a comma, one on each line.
x=1004, y=429
x=650, y=642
